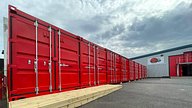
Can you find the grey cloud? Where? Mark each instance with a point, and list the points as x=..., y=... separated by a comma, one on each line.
x=174, y=25
x=171, y=30
x=102, y=23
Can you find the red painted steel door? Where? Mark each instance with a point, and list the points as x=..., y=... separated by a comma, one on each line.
x=123, y=69
x=68, y=58
x=110, y=67
x=31, y=50
x=140, y=71
x=88, y=64
x=101, y=66
x=131, y=69
x=136, y=70
x=127, y=69
x=118, y=72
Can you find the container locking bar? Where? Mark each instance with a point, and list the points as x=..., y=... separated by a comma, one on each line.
x=125, y=70
x=59, y=34
x=36, y=56
x=89, y=63
x=98, y=66
x=94, y=65
x=111, y=66
x=115, y=69
x=50, y=56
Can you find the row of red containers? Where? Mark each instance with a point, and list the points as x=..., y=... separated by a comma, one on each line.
x=43, y=59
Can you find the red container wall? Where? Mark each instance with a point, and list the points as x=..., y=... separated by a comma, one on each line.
x=101, y=66
x=69, y=61
x=118, y=68
x=124, y=69
x=131, y=70
x=136, y=71
x=127, y=70
x=140, y=71
x=88, y=63
x=111, y=67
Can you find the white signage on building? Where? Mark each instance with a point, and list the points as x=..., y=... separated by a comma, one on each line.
x=155, y=60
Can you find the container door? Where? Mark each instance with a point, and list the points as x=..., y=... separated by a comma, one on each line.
x=101, y=66
x=128, y=70
x=137, y=66
x=123, y=69
x=118, y=68
x=110, y=66
x=30, y=56
x=88, y=63
x=131, y=72
x=68, y=48
x=140, y=71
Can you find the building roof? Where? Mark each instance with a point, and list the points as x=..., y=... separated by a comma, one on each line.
x=163, y=51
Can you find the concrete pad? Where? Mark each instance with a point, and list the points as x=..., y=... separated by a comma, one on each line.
x=149, y=93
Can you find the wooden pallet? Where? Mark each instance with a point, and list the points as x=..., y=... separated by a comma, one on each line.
x=69, y=99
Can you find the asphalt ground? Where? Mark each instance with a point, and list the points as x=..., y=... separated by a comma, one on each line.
x=149, y=93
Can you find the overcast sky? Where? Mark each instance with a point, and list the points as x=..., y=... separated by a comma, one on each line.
x=128, y=27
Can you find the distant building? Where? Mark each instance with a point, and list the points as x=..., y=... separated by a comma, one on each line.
x=168, y=63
